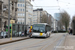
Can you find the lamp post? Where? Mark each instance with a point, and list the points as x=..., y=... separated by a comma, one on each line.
x=25, y=15
x=25, y=12
x=40, y=16
x=1, y=16
x=8, y=18
x=47, y=18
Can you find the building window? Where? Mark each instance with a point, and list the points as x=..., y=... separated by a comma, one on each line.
x=23, y=5
x=18, y=14
x=23, y=9
x=18, y=9
x=23, y=14
x=18, y=5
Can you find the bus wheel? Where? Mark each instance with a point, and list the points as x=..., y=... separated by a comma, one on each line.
x=49, y=35
x=46, y=35
x=30, y=36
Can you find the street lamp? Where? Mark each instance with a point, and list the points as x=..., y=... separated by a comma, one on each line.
x=8, y=18
x=1, y=13
x=1, y=16
x=25, y=12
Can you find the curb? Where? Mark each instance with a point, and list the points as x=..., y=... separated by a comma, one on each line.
x=14, y=41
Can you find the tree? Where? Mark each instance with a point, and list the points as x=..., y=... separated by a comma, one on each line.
x=73, y=17
x=72, y=20
x=44, y=19
x=65, y=19
x=49, y=20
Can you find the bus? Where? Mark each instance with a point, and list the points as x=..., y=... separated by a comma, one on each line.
x=40, y=30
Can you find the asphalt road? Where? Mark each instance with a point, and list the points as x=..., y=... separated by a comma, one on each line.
x=50, y=43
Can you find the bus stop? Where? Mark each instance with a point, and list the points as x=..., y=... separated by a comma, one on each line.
x=18, y=29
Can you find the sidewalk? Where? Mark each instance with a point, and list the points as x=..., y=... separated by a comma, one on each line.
x=70, y=42
x=7, y=40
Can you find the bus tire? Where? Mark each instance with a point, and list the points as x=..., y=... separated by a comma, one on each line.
x=49, y=35
x=46, y=35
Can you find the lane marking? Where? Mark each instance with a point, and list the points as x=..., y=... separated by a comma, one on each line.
x=60, y=41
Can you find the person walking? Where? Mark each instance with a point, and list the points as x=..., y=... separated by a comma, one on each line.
x=71, y=31
x=30, y=32
x=25, y=32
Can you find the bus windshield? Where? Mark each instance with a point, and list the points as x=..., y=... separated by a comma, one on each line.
x=39, y=28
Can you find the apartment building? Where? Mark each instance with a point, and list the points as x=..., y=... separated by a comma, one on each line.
x=37, y=15
x=4, y=12
x=21, y=12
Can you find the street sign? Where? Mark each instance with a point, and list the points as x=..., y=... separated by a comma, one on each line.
x=12, y=21
x=31, y=27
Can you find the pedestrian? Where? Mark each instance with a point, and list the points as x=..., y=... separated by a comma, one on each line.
x=22, y=34
x=25, y=32
x=30, y=32
x=71, y=31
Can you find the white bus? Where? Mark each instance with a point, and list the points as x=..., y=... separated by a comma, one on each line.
x=41, y=30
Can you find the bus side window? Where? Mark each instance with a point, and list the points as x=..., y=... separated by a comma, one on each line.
x=47, y=28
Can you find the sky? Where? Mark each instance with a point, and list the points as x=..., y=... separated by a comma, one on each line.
x=55, y=6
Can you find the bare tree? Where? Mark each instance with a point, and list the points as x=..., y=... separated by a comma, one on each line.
x=65, y=19
x=72, y=20
x=73, y=17
x=44, y=19
x=49, y=20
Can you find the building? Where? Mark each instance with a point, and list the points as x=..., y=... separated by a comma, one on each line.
x=57, y=16
x=52, y=23
x=37, y=15
x=57, y=22
x=21, y=12
x=4, y=12
x=55, y=25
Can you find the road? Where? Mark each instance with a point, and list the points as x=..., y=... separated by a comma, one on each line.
x=49, y=43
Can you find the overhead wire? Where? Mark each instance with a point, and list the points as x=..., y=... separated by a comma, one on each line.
x=58, y=4
x=67, y=2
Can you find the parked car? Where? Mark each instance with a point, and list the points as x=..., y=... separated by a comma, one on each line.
x=4, y=34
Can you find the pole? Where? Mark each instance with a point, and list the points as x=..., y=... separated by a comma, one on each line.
x=8, y=18
x=11, y=31
x=47, y=18
x=40, y=16
x=25, y=15
x=25, y=12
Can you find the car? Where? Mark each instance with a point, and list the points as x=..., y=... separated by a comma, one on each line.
x=4, y=34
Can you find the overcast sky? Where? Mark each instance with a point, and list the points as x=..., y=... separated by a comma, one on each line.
x=67, y=5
